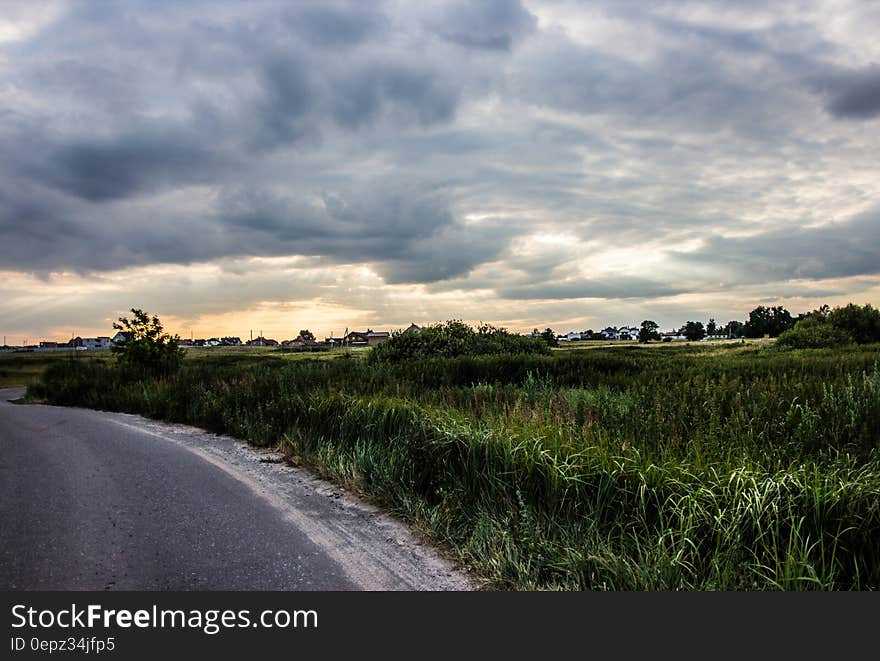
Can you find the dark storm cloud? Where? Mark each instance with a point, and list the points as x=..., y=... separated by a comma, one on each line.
x=411, y=235
x=330, y=25
x=449, y=252
x=368, y=214
x=99, y=170
x=610, y=287
x=412, y=91
x=851, y=93
x=43, y=230
x=699, y=89
x=282, y=112
x=839, y=250
x=489, y=24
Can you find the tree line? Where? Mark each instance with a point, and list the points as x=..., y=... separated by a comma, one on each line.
x=822, y=327
x=147, y=349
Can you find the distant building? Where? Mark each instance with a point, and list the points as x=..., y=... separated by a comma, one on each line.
x=305, y=339
x=96, y=343
x=262, y=342
x=628, y=333
x=366, y=338
x=413, y=328
x=300, y=343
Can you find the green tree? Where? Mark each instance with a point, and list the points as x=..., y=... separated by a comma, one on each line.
x=649, y=331
x=550, y=337
x=711, y=327
x=822, y=311
x=734, y=328
x=768, y=321
x=693, y=331
x=145, y=346
x=828, y=328
x=862, y=324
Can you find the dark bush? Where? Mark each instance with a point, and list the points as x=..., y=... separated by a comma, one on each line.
x=843, y=325
x=860, y=323
x=454, y=339
x=813, y=333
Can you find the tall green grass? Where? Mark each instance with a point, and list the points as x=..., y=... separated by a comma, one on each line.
x=667, y=469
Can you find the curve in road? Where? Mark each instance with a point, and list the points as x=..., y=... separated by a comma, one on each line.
x=93, y=500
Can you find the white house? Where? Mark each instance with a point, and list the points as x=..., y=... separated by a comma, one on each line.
x=627, y=333
x=95, y=343
x=610, y=333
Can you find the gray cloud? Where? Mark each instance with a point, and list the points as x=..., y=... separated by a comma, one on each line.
x=838, y=250
x=851, y=93
x=411, y=235
x=490, y=24
x=324, y=24
x=414, y=91
x=620, y=287
x=708, y=87
x=99, y=170
x=430, y=142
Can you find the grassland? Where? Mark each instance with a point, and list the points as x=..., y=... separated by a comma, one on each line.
x=700, y=467
x=23, y=368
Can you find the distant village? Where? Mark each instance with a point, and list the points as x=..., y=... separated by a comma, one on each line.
x=306, y=340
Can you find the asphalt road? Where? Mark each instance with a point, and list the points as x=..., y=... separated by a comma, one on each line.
x=95, y=501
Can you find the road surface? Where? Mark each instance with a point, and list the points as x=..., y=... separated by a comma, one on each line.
x=101, y=501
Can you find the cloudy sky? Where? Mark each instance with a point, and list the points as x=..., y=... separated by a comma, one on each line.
x=281, y=165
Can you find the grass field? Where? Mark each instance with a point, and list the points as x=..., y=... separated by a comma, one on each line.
x=23, y=368
x=687, y=466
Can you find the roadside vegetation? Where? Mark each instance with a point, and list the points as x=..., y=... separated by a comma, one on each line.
x=25, y=368
x=703, y=467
